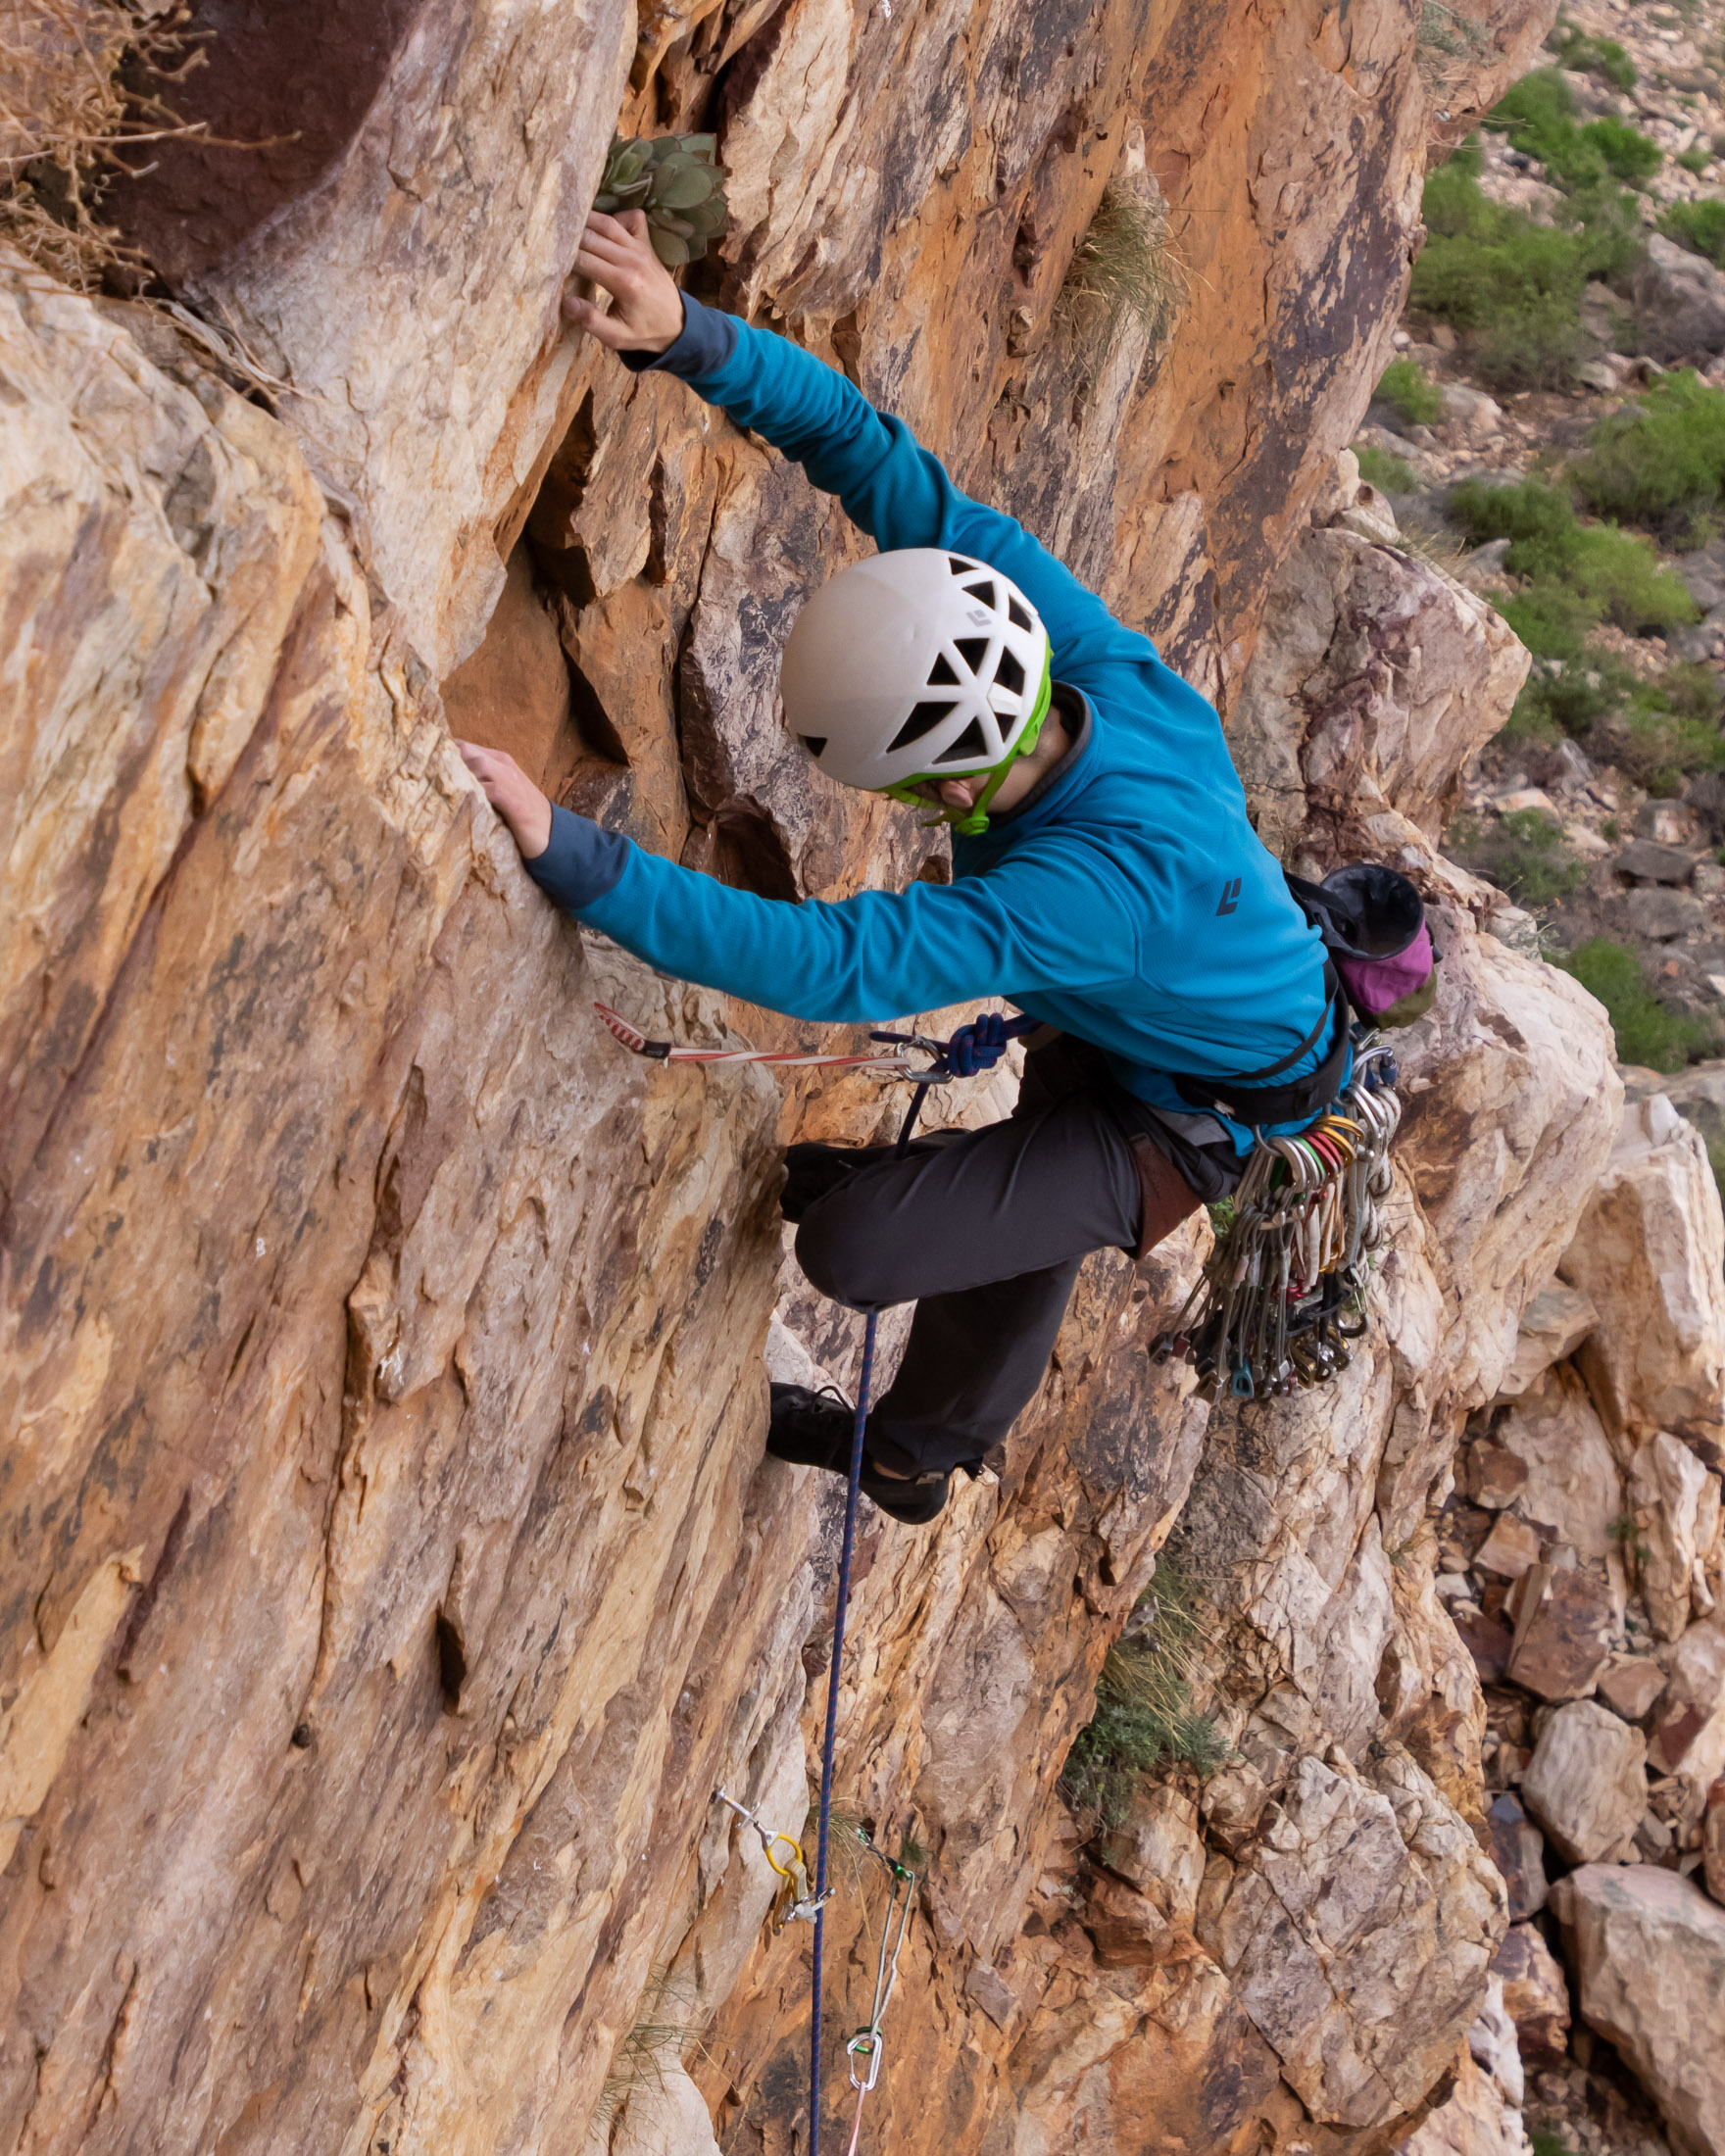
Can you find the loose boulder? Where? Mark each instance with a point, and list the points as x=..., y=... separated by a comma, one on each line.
x=1553, y=1327
x=1679, y=303
x=1677, y=1514
x=1648, y=1253
x=1689, y=1726
x=1571, y=1481
x=1587, y=1784
x=1518, y=1851
x=1536, y=1996
x=1647, y=1950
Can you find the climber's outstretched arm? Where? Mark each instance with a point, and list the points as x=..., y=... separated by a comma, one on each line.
x=1056, y=918
x=888, y=483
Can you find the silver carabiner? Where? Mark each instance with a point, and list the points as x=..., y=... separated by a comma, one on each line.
x=867, y=2042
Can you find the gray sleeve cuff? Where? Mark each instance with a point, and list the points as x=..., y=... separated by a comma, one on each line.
x=708, y=341
x=581, y=863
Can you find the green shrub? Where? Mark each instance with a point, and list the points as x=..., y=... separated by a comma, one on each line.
x=1619, y=576
x=1661, y=461
x=1513, y=285
x=1538, y=114
x=1412, y=393
x=1536, y=516
x=1523, y=855
x=1627, y=154
x=1379, y=468
x=1578, y=574
x=1583, y=54
x=1698, y=226
x=1144, y=1716
x=1666, y=730
x=1694, y=159
x=1648, y=1031
x=1567, y=694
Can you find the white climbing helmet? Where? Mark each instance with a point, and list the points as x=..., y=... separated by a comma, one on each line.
x=913, y=665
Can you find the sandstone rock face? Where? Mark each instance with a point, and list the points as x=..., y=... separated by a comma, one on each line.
x=1587, y=1785
x=1648, y=1253
x=1648, y=1951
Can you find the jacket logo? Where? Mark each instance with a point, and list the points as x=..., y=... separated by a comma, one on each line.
x=1230, y=897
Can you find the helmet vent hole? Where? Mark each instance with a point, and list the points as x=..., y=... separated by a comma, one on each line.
x=923, y=719
x=958, y=566
x=941, y=674
x=973, y=650
x=814, y=743
x=969, y=744
x=1010, y=674
x=984, y=593
x=1017, y=616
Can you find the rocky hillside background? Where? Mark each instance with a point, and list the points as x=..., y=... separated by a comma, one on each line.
x=1553, y=426
x=392, y=1570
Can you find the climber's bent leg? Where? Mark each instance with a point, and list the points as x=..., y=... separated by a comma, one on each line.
x=960, y=1211
x=972, y=1361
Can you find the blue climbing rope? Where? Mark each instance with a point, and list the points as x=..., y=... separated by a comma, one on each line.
x=847, y=1548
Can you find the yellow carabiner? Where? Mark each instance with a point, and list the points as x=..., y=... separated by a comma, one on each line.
x=786, y=1871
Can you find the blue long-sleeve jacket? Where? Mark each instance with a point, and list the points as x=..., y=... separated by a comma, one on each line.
x=1129, y=904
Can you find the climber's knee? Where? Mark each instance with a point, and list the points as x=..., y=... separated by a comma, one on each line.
x=842, y=1257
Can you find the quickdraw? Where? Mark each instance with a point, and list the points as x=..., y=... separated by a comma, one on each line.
x=1284, y=1289
x=797, y=1901
x=867, y=2047
x=932, y=1070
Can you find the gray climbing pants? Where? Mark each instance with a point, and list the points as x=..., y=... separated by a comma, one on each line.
x=984, y=1230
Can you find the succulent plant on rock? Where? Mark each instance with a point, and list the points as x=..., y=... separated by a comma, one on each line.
x=678, y=181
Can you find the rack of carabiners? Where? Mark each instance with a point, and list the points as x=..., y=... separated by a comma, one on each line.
x=1284, y=1289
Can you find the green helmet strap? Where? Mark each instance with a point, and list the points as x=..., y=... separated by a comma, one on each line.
x=972, y=822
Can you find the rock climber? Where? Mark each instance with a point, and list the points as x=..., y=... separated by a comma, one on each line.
x=1106, y=881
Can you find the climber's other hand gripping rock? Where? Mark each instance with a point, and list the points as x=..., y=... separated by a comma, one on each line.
x=513, y=794
x=646, y=313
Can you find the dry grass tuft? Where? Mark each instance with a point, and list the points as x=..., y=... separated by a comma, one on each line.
x=1125, y=266
x=68, y=122
x=1446, y=46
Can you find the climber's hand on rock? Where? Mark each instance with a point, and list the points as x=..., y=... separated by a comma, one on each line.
x=513, y=794
x=647, y=309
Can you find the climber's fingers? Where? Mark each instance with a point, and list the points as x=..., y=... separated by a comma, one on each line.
x=594, y=321
x=619, y=238
x=647, y=311
x=513, y=794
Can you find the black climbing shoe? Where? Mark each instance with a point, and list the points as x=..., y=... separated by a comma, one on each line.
x=813, y=1430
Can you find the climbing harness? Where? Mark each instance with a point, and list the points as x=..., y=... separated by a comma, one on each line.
x=1272, y=1307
